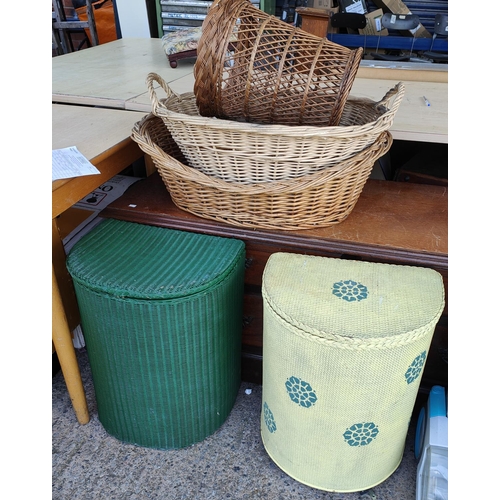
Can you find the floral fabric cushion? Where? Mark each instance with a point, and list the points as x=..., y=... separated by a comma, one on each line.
x=181, y=40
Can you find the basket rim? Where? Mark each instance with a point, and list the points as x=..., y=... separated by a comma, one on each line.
x=160, y=109
x=140, y=134
x=313, y=200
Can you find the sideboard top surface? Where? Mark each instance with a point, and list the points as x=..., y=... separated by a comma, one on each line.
x=396, y=221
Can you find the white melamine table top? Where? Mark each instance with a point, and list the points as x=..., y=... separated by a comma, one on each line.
x=114, y=74
x=414, y=120
x=102, y=136
x=94, y=131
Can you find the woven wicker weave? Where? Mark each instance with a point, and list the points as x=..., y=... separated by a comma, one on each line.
x=315, y=200
x=273, y=73
x=252, y=153
x=344, y=347
x=162, y=310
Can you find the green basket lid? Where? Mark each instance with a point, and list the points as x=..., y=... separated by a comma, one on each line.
x=330, y=297
x=131, y=260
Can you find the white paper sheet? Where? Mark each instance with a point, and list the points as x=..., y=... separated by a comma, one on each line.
x=69, y=162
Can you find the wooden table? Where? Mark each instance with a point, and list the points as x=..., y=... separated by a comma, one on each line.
x=114, y=75
x=393, y=222
x=103, y=137
x=414, y=120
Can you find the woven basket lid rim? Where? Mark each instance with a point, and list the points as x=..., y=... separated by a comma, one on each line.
x=335, y=298
x=130, y=260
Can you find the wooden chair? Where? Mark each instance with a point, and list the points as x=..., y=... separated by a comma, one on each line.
x=440, y=29
x=390, y=21
x=314, y=21
x=61, y=26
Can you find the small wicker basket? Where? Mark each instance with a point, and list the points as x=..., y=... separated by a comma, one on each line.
x=252, y=153
x=273, y=72
x=314, y=200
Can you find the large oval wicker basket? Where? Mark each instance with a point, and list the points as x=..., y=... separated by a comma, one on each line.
x=316, y=200
x=252, y=153
x=254, y=66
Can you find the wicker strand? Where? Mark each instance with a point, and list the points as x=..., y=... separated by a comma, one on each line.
x=141, y=133
x=315, y=200
x=253, y=66
x=332, y=339
x=366, y=121
x=251, y=153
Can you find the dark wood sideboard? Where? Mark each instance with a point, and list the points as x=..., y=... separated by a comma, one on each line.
x=392, y=222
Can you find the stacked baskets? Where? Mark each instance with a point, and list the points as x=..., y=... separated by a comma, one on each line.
x=268, y=139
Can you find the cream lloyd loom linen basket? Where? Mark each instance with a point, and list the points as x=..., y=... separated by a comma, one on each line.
x=345, y=344
x=161, y=312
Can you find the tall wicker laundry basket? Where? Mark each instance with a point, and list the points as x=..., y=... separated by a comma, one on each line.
x=254, y=67
x=161, y=313
x=345, y=344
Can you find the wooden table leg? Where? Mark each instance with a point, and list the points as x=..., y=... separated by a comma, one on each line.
x=61, y=336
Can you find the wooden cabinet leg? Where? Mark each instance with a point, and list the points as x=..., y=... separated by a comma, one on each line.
x=61, y=336
x=150, y=166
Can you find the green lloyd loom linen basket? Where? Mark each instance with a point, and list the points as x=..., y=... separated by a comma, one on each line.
x=345, y=344
x=161, y=312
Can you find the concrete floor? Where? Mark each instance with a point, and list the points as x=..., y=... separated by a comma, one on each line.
x=88, y=463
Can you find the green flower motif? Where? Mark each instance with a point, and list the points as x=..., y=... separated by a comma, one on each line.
x=415, y=368
x=269, y=419
x=361, y=434
x=350, y=290
x=300, y=392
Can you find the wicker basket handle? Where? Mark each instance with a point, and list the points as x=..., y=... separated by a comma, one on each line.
x=150, y=79
x=397, y=92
